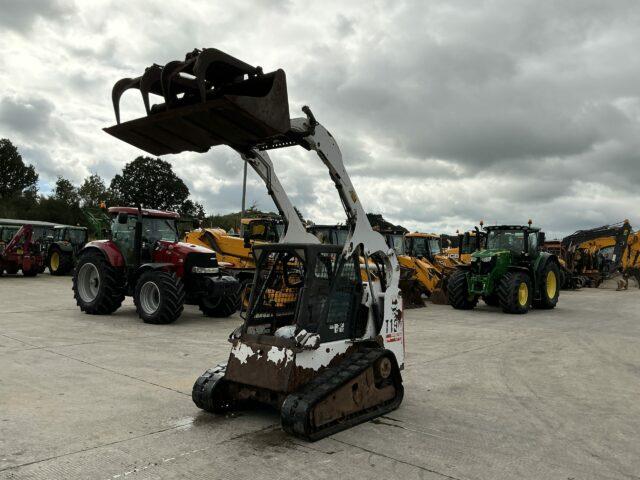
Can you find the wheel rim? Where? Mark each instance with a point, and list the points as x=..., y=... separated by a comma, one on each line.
x=552, y=284
x=149, y=298
x=88, y=282
x=523, y=294
x=55, y=261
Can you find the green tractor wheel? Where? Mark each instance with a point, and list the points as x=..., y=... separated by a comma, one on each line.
x=458, y=290
x=515, y=292
x=60, y=263
x=549, y=286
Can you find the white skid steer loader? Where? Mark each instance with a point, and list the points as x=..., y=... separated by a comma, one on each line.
x=323, y=334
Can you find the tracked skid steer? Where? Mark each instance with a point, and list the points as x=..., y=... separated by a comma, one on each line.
x=328, y=349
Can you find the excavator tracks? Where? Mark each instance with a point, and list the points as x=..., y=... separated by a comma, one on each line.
x=364, y=386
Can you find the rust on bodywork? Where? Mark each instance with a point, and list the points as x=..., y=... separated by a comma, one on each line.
x=271, y=367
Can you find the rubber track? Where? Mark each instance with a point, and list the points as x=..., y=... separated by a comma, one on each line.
x=297, y=407
x=202, y=392
x=173, y=301
x=459, y=292
x=112, y=297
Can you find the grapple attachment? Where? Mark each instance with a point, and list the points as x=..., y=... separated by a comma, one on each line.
x=210, y=98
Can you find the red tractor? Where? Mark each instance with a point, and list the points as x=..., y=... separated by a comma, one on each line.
x=144, y=259
x=22, y=253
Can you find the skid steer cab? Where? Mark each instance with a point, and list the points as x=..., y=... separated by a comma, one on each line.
x=513, y=272
x=144, y=259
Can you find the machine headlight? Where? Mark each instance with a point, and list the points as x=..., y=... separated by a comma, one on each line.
x=197, y=269
x=486, y=259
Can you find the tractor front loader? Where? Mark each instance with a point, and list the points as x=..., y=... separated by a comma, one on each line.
x=330, y=357
x=513, y=272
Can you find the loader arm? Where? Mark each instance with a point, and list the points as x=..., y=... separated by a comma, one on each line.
x=263, y=166
x=387, y=302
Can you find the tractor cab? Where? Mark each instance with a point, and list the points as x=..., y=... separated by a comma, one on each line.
x=330, y=234
x=7, y=232
x=519, y=241
x=422, y=245
x=262, y=229
x=76, y=236
x=155, y=226
x=395, y=240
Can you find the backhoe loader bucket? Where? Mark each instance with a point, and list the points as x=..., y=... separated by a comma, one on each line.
x=210, y=98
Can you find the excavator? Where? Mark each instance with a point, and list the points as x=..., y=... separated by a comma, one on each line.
x=332, y=358
x=630, y=262
x=594, y=255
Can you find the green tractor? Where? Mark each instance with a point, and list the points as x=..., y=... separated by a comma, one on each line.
x=63, y=248
x=513, y=272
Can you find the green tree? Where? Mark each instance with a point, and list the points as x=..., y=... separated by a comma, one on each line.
x=15, y=176
x=92, y=191
x=149, y=182
x=66, y=193
x=192, y=209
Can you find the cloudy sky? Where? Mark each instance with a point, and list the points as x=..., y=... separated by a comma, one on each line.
x=446, y=112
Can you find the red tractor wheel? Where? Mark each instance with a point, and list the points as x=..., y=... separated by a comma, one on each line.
x=159, y=297
x=97, y=287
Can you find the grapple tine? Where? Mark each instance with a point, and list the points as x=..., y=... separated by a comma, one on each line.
x=212, y=56
x=210, y=98
x=119, y=88
x=170, y=70
x=150, y=83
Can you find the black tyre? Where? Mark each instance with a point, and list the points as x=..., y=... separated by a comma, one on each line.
x=458, y=292
x=220, y=307
x=159, y=297
x=549, y=286
x=12, y=269
x=491, y=300
x=31, y=272
x=97, y=285
x=59, y=262
x=514, y=292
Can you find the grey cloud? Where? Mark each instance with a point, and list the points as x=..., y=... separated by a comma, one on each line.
x=21, y=15
x=445, y=113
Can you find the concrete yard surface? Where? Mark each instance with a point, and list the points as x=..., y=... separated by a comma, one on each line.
x=547, y=395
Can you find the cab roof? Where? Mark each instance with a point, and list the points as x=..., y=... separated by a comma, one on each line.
x=145, y=212
x=422, y=235
x=71, y=227
x=512, y=227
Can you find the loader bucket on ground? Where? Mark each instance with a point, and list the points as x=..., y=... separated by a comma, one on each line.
x=210, y=98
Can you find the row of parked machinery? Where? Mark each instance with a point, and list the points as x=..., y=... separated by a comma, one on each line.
x=322, y=337
x=30, y=247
